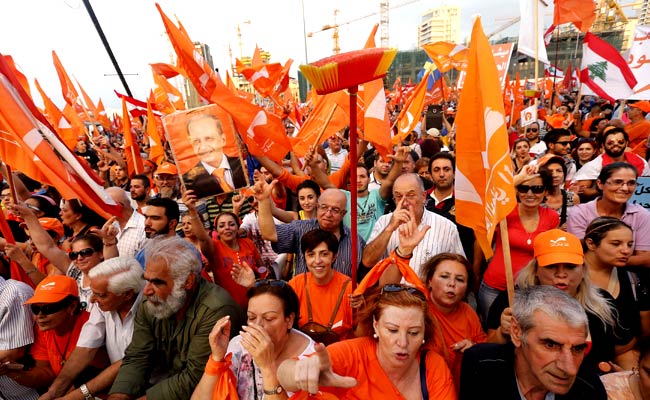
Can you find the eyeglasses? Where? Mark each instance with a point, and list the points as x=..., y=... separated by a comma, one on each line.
x=409, y=196
x=619, y=142
x=618, y=183
x=536, y=189
x=532, y=130
x=325, y=208
x=84, y=252
x=270, y=282
x=395, y=288
x=48, y=309
x=564, y=143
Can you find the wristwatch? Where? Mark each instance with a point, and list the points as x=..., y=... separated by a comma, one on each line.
x=276, y=390
x=86, y=393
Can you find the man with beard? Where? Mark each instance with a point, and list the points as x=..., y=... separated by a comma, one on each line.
x=160, y=220
x=558, y=142
x=380, y=171
x=549, y=342
x=442, y=235
x=537, y=146
x=140, y=188
x=170, y=344
x=442, y=201
x=614, y=141
x=166, y=180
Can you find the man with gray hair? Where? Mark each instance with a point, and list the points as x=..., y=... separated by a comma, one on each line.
x=130, y=236
x=549, y=333
x=170, y=347
x=116, y=286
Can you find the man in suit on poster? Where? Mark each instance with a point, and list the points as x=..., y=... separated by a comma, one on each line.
x=215, y=172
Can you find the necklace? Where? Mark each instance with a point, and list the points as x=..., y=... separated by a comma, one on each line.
x=362, y=208
x=65, y=349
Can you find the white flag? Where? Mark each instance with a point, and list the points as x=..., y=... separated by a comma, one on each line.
x=528, y=115
x=527, y=33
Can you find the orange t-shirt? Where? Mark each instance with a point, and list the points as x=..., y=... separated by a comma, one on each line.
x=638, y=134
x=358, y=358
x=323, y=300
x=456, y=326
x=338, y=178
x=48, y=346
x=247, y=252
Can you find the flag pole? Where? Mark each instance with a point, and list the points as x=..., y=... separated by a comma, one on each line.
x=353, y=181
x=324, y=127
x=505, y=243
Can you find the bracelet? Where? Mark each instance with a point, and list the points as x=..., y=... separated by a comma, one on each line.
x=31, y=271
x=109, y=244
x=400, y=255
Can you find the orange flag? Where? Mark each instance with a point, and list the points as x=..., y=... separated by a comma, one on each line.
x=166, y=70
x=156, y=149
x=102, y=117
x=30, y=145
x=507, y=99
x=90, y=105
x=582, y=13
x=77, y=124
x=167, y=97
x=262, y=77
x=262, y=132
x=68, y=90
x=256, y=61
x=19, y=75
x=447, y=55
x=318, y=119
x=376, y=123
x=58, y=120
x=131, y=149
x=484, y=188
x=410, y=115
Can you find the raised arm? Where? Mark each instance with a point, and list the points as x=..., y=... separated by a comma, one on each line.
x=386, y=188
x=377, y=247
x=262, y=192
x=205, y=242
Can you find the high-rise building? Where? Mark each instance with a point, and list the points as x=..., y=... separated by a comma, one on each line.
x=440, y=24
x=644, y=15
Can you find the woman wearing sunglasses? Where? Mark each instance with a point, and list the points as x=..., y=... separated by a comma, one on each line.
x=525, y=222
x=86, y=252
x=616, y=184
x=250, y=360
x=59, y=319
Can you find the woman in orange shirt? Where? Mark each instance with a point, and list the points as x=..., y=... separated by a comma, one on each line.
x=325, y=312
x=447, y=275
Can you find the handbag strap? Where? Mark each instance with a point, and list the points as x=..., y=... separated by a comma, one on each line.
x=563, y=211
x=338, y=304
x=423, y=375
x=309, y=314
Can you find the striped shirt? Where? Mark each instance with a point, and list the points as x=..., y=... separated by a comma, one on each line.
x=290, y=235
x=442, y=237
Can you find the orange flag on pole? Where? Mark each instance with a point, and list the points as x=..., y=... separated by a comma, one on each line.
x=447, y=55
x=56, y=118
x=261, y=131
x=156, y=149
x=90, y=105
x=102, y=117
x=131, y=148
x=582, y=13
x=484, y=188
x=167, y=98
x=410, y=115
x=68, y=90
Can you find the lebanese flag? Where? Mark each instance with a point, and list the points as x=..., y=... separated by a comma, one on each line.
x=484, y=187
x=604, y=70
x=548, y=35
x=262, y=132
x=30, y=145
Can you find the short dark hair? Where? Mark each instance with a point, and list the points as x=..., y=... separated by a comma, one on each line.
x=553, y=135
x=609, y=169
x=443, y=155
x=172, y=211
x=555, y=160
x=313, y=238
x=613, y=130
x=144, y=178
x=284, y=293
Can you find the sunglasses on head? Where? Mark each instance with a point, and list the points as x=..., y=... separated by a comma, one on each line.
x=395, y=288
x=48, y=309
x=84, y=252
x=536, y=189
x=270, y=282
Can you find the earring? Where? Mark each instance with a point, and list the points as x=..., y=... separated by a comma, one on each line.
x=375, y=336
x=423, y=341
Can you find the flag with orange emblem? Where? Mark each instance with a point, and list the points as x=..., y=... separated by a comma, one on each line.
x=484, y=186
x=262, y=132
x=447, y=55
x=411, y=113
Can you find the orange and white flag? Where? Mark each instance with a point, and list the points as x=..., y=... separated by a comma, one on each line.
x=484, y=188
x=168, y=98
x=131, y=148
x=68, y=90
x=156, y=149
x=447, y=55
x=411, y=113
x=102, y=117
x=56, y=118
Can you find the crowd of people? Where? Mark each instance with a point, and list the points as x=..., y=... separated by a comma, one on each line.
x=248, y=292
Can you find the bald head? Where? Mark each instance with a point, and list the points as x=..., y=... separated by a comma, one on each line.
x=332, y=206
x=120, y=197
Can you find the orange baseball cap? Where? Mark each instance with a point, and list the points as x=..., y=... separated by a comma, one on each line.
x=50, y=224
x=557, y=246
x=54, y=289
x=166, y=168
x=642, y=105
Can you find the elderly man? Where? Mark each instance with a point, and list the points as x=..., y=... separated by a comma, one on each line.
x=166, y=180
x=409, y=195
x=549, y=333
x=286, y=238
x=130, y=225
x=169, y=348
x=116, y=286
x=215, y=172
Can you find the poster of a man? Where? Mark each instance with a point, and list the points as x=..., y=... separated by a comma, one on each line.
x=206, y=148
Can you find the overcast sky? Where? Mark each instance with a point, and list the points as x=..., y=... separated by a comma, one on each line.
x=31, y=29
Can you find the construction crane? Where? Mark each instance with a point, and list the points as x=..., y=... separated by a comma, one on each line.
x=383, y=23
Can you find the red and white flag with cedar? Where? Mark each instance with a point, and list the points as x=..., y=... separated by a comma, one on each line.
x=484, y=187
x=30, y=145
x=604, y=70
x=262, y=132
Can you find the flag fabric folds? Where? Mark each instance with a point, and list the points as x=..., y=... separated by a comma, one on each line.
x=531, y=30
x=447, y=55
x=409, y=117
x=582, y=13
x=484, y=186
x=156, y=149
x=604, y=70
x=131, y=149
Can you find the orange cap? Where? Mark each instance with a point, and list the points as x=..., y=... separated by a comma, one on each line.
x=54, y=289
x=166, y=168
x=557, y=246
x=50, y=224
x=642, y=105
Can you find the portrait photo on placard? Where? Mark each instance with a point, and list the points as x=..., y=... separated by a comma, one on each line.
x=207, y=150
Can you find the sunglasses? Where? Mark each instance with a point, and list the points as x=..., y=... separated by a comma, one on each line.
x=619, y=142
x=536, y=189
x=84, y=252
x=49, y=309
x=270, y=282
x=395, y=288
x=532, y=130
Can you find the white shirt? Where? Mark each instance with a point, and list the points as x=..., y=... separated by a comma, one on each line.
x=225, y=165
x=106, y=328
x=132, y=237
x=336, y=160
x=591, y=170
